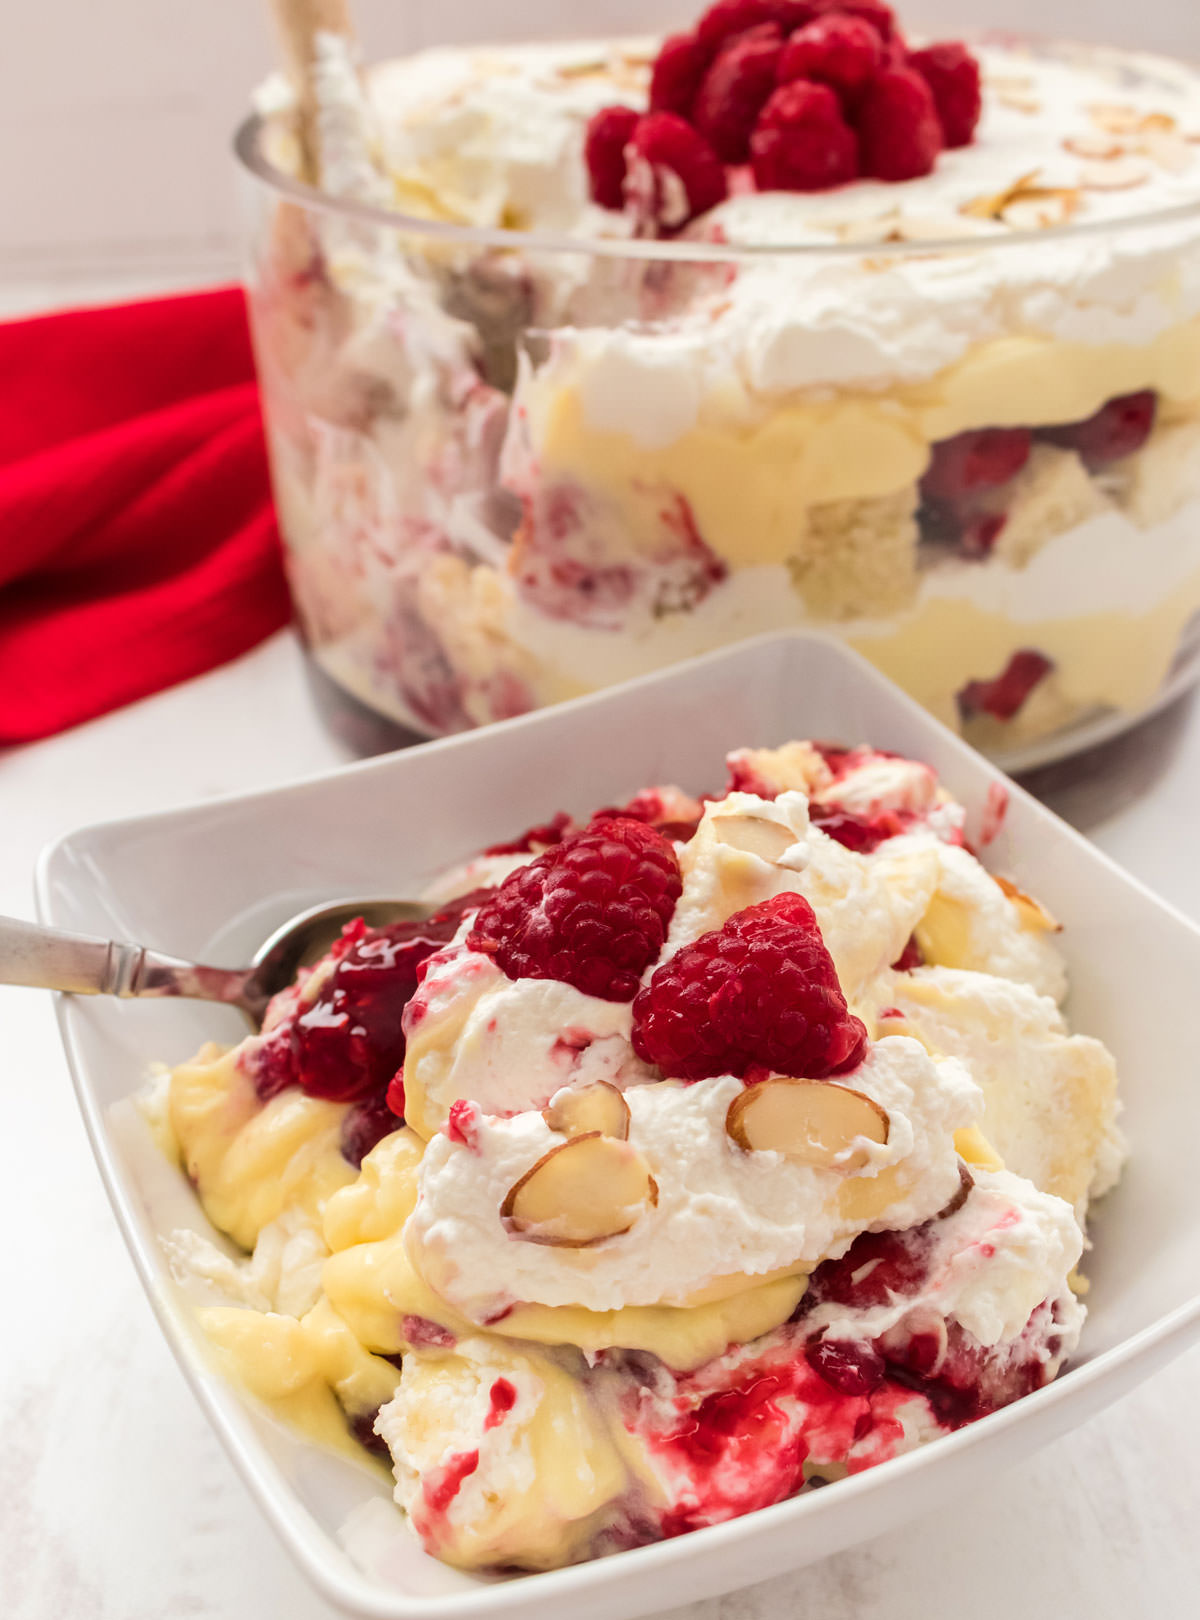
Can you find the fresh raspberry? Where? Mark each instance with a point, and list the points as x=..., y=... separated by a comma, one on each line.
x=972, y=462
x=677, y=157
x=898, y=126
x=347, y=1043
x=761, y=992
x=730, y=17
x=880, y=16
x=592, y=912
x=609, y=132
x=802, y=142
x=734, y=90
x=952, y=73
x=844, y=52
x=1005, y=696
x=681, y=63
x=1117, y=429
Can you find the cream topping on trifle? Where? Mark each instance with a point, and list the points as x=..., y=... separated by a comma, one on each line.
x=688, y=1155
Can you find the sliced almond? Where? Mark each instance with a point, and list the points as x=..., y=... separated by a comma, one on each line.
x=1168, y=149
x=1096, y=148
x=1115, y=118
x=815, y=1122
x=595, y=1110
x=1053, y=207
x=1019, y=102
x=1121, y=175
x=753, y=835
x=580, y=1193
x=1033, y=913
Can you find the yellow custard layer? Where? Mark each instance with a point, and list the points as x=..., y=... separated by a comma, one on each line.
x=751, y=469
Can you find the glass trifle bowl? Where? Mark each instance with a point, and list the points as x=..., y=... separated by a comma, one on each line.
x=522, y=449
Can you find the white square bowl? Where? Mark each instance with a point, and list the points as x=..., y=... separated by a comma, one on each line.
x=211, y=880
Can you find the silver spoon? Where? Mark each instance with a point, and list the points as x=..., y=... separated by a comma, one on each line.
x=48, y=959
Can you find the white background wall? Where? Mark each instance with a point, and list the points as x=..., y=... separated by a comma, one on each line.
x=115, y=115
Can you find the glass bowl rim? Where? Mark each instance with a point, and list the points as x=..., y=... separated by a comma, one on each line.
x=247, y=147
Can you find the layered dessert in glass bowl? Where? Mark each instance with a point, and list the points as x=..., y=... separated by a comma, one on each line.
x=587, y=357
x=686, y=1158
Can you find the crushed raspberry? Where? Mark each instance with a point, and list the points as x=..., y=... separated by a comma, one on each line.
x=952, y=74
x=1117, y=429
x=365, y=1126
x=852, y=1368
x=972, y=462
x=501, y=1399
x=441, y=1485
x=536, y=838
x=880, y=16
x=760, y=993
x=861, y=833
x=591, y=912
x=681, y=63
x=362, y=1427
x=462, y=1119
x=729, y=17
x=843, y=52
x=347, y=1043
x=734, y=90
x=910, y=957
x=686, y=175
x=1004, y=697
x=802, y=142
x=649, y=806
x=424, y=1334
x=899, y=131
x=877, y=1268
x=609, y=132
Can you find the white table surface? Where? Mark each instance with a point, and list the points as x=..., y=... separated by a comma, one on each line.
x=116, y=1502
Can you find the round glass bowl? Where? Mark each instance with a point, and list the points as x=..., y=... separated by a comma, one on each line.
x=512, y=467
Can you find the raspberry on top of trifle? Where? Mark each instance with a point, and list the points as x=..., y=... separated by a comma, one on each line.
x=688, y=1157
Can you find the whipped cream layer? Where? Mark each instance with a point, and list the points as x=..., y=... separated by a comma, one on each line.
x=720, y=1211
x=495, y=137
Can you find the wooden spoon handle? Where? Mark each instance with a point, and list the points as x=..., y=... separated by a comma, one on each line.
x=298, y=22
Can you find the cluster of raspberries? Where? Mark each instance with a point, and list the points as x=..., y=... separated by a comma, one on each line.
x=759, y=994
x=795, y=95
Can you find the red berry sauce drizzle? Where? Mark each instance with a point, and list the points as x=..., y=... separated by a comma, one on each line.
x=780, y=95
x=347, y=1044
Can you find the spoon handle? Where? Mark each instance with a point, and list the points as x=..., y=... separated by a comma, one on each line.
x=48, y=959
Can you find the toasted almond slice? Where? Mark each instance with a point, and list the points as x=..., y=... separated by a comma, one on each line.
x=816, y=1122
x=598, y=1109
x=754, y=835
x=1096, y=148
x=1121, y=175
x=1033, y=913
x=1037, y=213
x=1115, y=118
x=1168, y=149
x=1019, y=102
x=580, y=1193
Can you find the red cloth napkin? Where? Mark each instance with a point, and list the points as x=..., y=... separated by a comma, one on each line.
x=137, y=537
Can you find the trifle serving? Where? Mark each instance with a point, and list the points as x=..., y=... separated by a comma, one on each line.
x=785, y=318
x=687, y=1158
